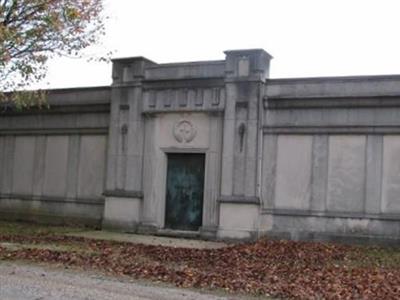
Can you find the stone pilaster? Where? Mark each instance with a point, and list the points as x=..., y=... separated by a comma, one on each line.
x=245, y=73
x=246, y=70
x=124, y=190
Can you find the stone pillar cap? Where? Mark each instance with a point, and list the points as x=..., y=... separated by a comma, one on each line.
x=248, y=52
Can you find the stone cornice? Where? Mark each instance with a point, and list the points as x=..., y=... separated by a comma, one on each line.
x=333, y=101
x=331, y=129
x=123, y=194
x=239, y=199
x=330, y=214
x=56, y=199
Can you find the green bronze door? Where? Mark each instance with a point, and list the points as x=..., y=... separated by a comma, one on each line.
x=185, y=187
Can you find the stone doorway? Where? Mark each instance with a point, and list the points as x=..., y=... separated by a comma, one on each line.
x=185, y=190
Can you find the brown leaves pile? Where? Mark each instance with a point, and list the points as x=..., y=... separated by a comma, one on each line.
x=297, y=270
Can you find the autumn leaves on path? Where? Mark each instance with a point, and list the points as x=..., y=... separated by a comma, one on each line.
x=283, y=269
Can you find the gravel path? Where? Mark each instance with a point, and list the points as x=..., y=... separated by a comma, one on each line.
x=18, y=281
x=149, y=239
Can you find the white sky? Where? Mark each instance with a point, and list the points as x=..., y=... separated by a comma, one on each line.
x=305, y=37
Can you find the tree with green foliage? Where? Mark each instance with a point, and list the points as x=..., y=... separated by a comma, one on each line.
x=33, y=31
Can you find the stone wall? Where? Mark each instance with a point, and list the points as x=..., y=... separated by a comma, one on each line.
x=331, y=157
x=312, y=158
x=52, y=160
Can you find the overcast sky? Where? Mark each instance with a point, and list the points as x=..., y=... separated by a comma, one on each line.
x=305, y=37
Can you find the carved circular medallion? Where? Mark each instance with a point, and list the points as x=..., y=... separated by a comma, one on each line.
x=184, y=131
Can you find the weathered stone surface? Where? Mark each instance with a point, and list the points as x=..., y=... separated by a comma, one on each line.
x=304, y=158
x=346, y=175
x=293, y=178
x=22, y=170
x=391, y=174
x=233, y=227
x=56, y=161
x=92, y=166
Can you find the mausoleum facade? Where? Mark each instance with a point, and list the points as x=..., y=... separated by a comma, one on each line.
x=214, y=149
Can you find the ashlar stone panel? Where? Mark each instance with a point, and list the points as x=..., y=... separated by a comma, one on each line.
x=293, y=175
x=91, y=167
x=391, y=174
x=56, y=159
x=346, y=173
x=8, y=164
x=2, y=159
x=23, y=164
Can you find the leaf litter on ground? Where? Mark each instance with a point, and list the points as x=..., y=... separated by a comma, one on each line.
x=277, y=268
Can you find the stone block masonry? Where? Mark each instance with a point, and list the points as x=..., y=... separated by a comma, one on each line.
x=302, y=158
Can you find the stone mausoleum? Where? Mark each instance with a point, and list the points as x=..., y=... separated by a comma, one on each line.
x=215, y=149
